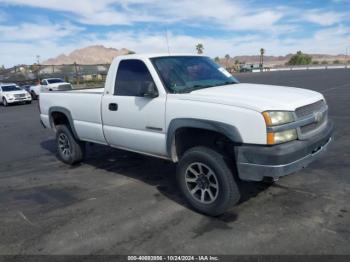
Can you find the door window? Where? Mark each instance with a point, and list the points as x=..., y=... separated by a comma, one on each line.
x=133, y=78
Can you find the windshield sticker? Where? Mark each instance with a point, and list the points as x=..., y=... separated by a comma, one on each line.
x=224, y=71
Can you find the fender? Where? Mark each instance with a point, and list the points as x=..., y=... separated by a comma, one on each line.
x=67, y=113
x=228, y=130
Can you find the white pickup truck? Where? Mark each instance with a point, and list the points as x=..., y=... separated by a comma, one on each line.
x=49, y=84
x=189, y=110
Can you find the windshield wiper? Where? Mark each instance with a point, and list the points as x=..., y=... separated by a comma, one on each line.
x=226, y=83
x=196, y=87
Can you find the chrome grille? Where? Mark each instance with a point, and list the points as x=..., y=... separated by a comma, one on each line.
x=313, y=126
x=64, y=87
x=19, y=95
x=310, y=109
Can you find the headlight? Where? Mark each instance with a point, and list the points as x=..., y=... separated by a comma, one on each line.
x=275, y=118
x=281, y=137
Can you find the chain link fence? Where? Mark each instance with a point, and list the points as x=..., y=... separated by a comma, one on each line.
x=79, y=75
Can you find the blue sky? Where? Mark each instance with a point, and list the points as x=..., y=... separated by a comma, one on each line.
x=51, y=27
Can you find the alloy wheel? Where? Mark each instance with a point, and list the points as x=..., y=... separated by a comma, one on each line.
x=64, y=145
x=202, y=183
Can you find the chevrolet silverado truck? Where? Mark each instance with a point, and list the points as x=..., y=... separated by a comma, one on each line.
x=49, y=84
x=189, y=110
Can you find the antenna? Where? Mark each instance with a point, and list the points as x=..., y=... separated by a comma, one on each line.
x=167, y=40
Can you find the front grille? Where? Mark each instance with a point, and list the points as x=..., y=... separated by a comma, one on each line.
x=310, y=109
x=19, y=95
x=65, y=87
x=313, y=126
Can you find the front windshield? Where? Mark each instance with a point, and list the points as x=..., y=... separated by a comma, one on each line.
x=55, y=80
x=183, y=74
x=10, y=88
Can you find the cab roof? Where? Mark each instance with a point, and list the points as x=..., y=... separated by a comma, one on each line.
x=153, y=55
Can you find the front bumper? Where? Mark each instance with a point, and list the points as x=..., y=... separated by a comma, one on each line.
x=254, y=163
x=18, y=100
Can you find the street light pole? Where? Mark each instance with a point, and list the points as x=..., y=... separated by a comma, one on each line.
x=38, y=59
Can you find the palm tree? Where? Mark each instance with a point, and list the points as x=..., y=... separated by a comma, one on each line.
x=227, y=58
x=262, y=52
x=217, y=59
x=199, y=48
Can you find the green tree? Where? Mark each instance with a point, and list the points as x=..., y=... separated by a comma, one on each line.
x=315, y=62
x=217, y=59
x=336, y=62
x=324, y=62
x=237, y=62
x=131, y=52
x=300, y=59
x=199, y=48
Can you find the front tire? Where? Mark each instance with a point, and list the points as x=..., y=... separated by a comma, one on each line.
x=34, y=96
x=206, y=181
x=4, y=102
x=69, y=149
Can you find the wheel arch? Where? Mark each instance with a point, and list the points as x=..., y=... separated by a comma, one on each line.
x=228, y=131
x=61, y=115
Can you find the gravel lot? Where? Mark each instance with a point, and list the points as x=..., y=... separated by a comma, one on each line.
x=124, y=203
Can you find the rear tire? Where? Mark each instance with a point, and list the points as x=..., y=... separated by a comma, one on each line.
x=201, y=170
x=69, y=149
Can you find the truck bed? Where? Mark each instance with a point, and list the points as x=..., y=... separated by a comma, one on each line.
x=87, y=90
x=84, y=106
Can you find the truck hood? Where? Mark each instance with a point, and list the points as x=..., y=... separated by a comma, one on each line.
x=257, y=97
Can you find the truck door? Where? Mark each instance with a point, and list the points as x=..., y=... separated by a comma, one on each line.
x=133, y=118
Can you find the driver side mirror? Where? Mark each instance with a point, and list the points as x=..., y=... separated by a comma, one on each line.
x=149, y=90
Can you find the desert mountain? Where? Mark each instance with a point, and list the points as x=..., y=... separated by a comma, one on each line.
x=96, y=54
x=281, y=60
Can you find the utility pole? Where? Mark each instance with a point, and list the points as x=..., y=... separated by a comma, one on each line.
x=76, y=72
x=38, y=65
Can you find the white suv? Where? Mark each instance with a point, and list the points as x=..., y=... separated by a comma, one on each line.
x=10, y=93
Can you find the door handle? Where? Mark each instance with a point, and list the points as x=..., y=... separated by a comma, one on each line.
x=113, y=106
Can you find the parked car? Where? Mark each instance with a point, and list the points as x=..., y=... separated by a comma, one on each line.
x=49, y=84
x=10, y=93
x=191, y=111
x=245, y=70
x=26, y=87
x=54, y=84
x=35, y=91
